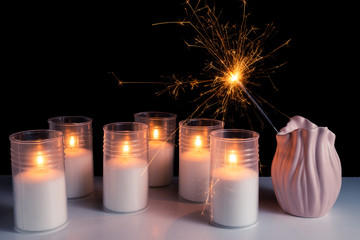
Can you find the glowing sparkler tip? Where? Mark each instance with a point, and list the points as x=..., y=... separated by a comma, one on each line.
x=235, y=77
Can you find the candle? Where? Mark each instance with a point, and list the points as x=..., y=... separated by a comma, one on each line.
x=125, y=167
x=78, y=170
x=125, y=184
x=235, y=196
x=38, y=180
x=40, y=199
x=194, y=173
x=161, y=146
x=194, y=158
x=77, y=133
x=234, y=178
x=161, y=160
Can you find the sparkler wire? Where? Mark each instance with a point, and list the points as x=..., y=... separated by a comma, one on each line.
x=257, y=106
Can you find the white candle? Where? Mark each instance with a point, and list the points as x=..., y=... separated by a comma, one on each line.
x=234, y=200
x=40, y=199
x=194, y=172
x=79, y=172
x=161, y=162
x=125, y=184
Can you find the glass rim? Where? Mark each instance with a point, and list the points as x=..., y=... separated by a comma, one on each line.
x=61, y=120
x=142, y=127
x=14, y=138
x=219, y=134
x=156, y=115
x=184, y=123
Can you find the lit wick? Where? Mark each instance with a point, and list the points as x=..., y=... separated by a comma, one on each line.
x=156, y=134
x=126, y=149
x=232, y=161
x=198, y=143
x=40, y=160
x=72, y=141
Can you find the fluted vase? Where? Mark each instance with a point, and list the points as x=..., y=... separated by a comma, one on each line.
x=306, y=169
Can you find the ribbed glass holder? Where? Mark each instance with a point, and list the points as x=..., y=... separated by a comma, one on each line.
x=125, y=174
x=162, y=132
x=234, y=186
x=37, y=159
x=194, y=157
x=77, y=132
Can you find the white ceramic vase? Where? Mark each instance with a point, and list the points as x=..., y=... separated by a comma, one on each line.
x=306, y=169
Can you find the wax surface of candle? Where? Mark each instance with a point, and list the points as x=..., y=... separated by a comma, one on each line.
x=194, y=175
x=161, y=157
x=79, y=172
x=235, y=194
x=40, y=199
x=194, y=171
x=125, y=184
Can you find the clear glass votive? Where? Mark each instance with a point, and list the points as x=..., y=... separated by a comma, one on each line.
x=162, y=132
x=125, y=174
x=234, y=186
x=37, y=160
x=77, y=133
x=194, y=157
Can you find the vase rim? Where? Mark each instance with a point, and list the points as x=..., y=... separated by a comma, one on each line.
x=300, y=123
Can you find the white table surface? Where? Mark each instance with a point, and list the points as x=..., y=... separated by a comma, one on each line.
x=167, y=217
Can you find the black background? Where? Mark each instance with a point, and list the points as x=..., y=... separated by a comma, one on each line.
x=56, y=60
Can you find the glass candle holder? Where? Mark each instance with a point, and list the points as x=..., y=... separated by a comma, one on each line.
x=234, y=186
x=37, y=160
x=162, y=131
x=125, y=174
x=77, y=133
x=194, y=157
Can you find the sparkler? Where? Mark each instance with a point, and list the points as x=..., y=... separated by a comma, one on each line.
x=258, y=107
x=237, y=56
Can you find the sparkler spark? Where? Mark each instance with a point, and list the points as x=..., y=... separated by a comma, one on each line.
x=236, y=58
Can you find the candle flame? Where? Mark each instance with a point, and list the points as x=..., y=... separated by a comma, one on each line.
x=72, y=141
x=198, y=142
x=40, y=160
x=156, y=134
x=232, y=160
x=126, y=148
